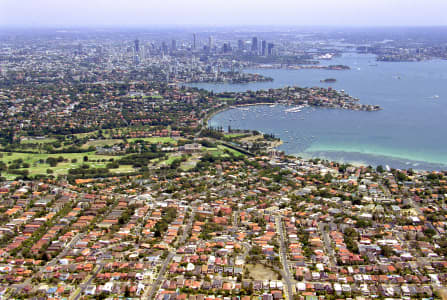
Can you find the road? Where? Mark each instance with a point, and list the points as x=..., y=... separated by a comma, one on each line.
x=171, y=254
x=247, y=250
x=327, y=244
x=67, y=248
x=52, y=262
x=283, y=255
x=89, y=281
x=236, y=220
x=188, y=226
x=160, y=277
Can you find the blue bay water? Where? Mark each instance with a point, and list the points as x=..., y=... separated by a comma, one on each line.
x=410, y=131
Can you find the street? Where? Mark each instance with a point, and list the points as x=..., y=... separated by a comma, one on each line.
x=283, y=255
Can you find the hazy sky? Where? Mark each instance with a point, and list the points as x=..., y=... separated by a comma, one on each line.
x=222, y=12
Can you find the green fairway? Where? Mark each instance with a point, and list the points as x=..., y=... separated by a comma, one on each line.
x=123, y=169
x=38, y=163
x=220, y=150
x=38, y=141
x=155, y=140
x=102, y=143
x=170, y=159
x=82, y=135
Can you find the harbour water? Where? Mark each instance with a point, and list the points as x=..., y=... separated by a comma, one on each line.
x=410, y=131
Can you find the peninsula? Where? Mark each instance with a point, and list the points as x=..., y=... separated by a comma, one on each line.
x=315, y=96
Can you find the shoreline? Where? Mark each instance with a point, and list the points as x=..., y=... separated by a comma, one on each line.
x=377, y=153
x=404, y=162
x=207, y=118
x=365, y=159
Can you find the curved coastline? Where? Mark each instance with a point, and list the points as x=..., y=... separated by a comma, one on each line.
x=401, y=132
x=351, y=153
x=207, y=118
x=362, y=159
x=376, y=151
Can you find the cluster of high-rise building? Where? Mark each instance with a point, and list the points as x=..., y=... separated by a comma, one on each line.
x=254, y=47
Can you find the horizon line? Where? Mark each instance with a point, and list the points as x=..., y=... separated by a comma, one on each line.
x=177, y=26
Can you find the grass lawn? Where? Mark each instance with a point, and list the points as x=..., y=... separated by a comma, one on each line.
x=219, y=151
x=61, y=168
x=153, y=97
x=38, y=141
x=154, y=140
x=102, y=143
x=190, y=163
x=234, y=135
x=252, y=138
x=170, y=159
x=82, y=135
x=235, y=152
x=261, y=272
x=225, y=99
x=123, y=169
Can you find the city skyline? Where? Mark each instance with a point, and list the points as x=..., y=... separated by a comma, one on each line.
x=135, y=13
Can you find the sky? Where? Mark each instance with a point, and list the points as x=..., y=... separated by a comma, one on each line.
x=138, y=13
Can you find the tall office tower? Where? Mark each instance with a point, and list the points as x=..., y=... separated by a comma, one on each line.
x=226, y=47
x=211, y=42
x=254, y=45
x=263, y=47
x=194, y=42
x=137, y=46
x=240, y=45
x=270, y=49
x=142, y=53
x=164, y=47
x=174, y=45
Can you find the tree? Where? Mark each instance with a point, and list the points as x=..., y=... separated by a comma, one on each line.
x=387, y=251
x=127, y=292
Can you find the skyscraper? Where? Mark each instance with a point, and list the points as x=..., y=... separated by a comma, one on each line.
x=142, y=53
x=194, y=42
x=240, y=45
x=164, y=47
x=211, y=42
x=270, y=49
x=254, y=45
x=137, y=46
x=263, y=47
x=226, y=47
x=174, y=45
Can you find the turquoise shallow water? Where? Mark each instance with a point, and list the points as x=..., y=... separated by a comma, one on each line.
x=410, y=131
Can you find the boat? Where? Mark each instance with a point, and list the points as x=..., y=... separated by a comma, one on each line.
x=294, y=109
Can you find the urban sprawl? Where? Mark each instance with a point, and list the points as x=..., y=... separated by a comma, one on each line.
x=114, y=187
